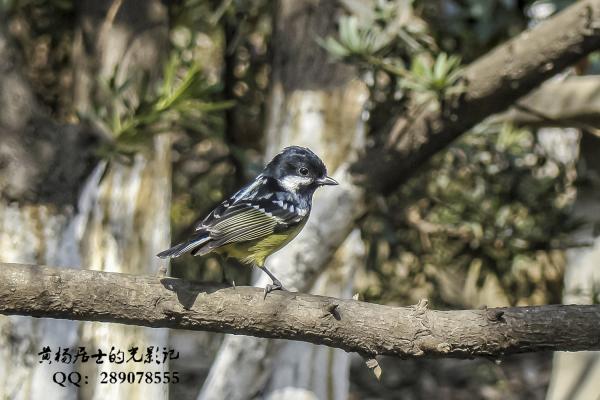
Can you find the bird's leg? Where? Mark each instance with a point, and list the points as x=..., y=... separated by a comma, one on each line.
x=162, y=271
x=224, y=274
x=276, y=283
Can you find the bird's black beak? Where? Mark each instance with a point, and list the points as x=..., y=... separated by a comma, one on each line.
x=327, y=181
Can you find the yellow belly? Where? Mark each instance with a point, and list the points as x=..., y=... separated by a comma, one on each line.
x=254, y=252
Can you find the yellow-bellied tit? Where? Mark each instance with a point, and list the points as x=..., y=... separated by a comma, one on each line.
x=264, y=215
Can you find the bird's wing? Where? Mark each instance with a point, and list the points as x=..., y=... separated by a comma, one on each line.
x=255, y=211
x=250, y=220
x=254, y=189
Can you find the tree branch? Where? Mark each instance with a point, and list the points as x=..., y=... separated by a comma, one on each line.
x=493, y=82
x=573, y=102
x=369, y=329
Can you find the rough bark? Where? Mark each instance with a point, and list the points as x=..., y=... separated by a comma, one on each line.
x=351, y=325
x=300, y=369
x=262, y=363
x=492, y=83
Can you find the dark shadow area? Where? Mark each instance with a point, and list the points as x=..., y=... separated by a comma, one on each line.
x=187, y=291
x=522, y=376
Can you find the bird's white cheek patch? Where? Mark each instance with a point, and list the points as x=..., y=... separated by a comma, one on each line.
x=293, y=183
x=302, y=211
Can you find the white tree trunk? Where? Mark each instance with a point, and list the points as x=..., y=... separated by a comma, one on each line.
x=329, y=122
x=128, y=224
x=121, y=221
x=317, y=104
x=129, y=220
x=243, y=364
x=301, y=369
x=34, y=234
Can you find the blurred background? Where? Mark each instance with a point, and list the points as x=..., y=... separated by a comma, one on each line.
x=123, y=122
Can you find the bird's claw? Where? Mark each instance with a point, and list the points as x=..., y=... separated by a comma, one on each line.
x=271, y=287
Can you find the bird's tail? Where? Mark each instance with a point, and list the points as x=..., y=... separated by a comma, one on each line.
x=194, y=242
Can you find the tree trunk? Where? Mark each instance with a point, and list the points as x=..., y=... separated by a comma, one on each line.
x=42, y=167
x=128, y=222
x=301, y=369
x=317, y=104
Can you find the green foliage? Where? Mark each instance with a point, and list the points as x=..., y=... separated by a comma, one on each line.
x=437, y=78
x=178, y=101
x=387, y=44
x=387, y=27
x=486, y=221
x=355, y=42
x=487, y=215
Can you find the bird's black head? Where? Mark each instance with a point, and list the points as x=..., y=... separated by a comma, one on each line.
x=298, y=169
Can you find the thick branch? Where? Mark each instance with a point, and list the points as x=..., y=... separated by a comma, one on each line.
x=493, y=83
x=574, y=102
x=351, y=325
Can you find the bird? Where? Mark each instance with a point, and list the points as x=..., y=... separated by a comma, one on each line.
x=263, y=216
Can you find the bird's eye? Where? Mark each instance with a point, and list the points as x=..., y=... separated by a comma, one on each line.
x=303, y=171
